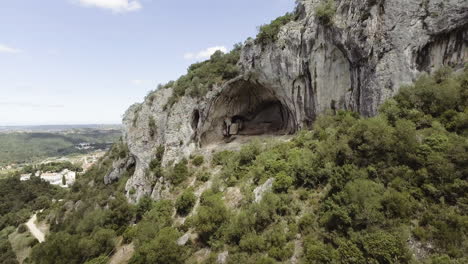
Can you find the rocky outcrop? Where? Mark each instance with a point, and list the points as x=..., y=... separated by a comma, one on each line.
x=259, y=191
x=371, y=49
x=119, y=167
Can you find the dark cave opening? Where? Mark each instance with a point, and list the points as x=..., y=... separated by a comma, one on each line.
x=195, y=119
x=246, y=109
x=267, y=119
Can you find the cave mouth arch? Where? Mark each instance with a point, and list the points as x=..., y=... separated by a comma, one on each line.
x=244, y=108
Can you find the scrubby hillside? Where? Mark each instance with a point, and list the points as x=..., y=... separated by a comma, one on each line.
x=325, y=56
x=338, y=135
x=387, y=189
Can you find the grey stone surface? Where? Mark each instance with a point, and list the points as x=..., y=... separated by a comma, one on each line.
x=371, y=49
x=118, y=168
x=259, y=191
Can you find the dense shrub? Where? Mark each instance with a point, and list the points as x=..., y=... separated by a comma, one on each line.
x=203, y=176
x=179, y=173
x=316, y=251
x=326, y=11
x=223, y=157
x=212, y=215
x=282, y=182
x=356, y=189
x=7, y=255
x=161, y=249
x=269, y=33
x=202, y=76
x=198, y=160
x=152, y=127
x=19, y=198
x=185, y=202
x=98, y=260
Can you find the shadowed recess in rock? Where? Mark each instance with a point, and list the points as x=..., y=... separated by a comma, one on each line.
x=246, y=108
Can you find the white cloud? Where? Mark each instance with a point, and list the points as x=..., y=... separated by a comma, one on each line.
x=117, y=6
x=6, y=49
x=204, y=54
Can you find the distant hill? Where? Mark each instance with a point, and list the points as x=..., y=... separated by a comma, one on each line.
x=29, y=144
x=57, y=128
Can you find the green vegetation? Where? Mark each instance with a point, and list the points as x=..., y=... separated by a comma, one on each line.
x=185, y=202
x=179, y=172
x=18, y=199
x=162, y=249
x=198, y=160
x=7, y=256
x=152, y=127
x=351, y=190
x=269, y=33
x=156, y=239
x=211, y=216
x=85, y=226
x=379, y=182
x=31, y=147
x=202, y=76
x=326, y=11
x=52, y=167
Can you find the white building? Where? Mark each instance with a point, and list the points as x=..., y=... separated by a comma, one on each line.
x=54, y=178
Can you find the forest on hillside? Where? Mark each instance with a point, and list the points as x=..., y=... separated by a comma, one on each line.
x=387, y=189
x=21, y=147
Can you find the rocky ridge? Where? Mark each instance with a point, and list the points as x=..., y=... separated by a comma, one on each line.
x=371, y=49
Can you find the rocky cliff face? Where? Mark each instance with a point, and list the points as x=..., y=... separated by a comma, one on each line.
x=355, y=63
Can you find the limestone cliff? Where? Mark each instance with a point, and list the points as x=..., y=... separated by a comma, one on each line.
x=356, y=62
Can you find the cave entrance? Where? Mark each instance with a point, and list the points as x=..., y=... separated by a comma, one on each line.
x=195, y=119
x=268, y=119
x=246, y=109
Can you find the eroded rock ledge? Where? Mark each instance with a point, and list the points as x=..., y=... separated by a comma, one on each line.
x=372, y=48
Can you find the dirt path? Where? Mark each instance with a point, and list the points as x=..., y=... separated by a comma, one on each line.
x=38, y=234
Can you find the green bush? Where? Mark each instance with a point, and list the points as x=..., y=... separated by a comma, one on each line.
x=326, y=11
x=198, y=160
x=385, y=247
x=203, y=176
x=203, y=76
x=161, y=249
x=316, y=251
x=269, y=33
x=283, y=253
x=98, y=260
x=282, y=182
x=179, y=173
x=22, y=228
x=223, y=157
x=144, y=205
x=185, y=202
x=212, y=215
x=252, y=243
x=152, y=127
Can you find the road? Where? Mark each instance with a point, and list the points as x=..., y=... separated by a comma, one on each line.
x=31, y=224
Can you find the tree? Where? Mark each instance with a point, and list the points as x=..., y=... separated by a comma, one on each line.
x=163, y=249
x=211, y=216
x=326, y=11
x=282, y=182
x=179, y=173
x=185, y=202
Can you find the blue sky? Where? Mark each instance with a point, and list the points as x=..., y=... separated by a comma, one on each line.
x=86, y=61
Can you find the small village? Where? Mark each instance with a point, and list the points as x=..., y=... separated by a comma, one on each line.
x=63, y=178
